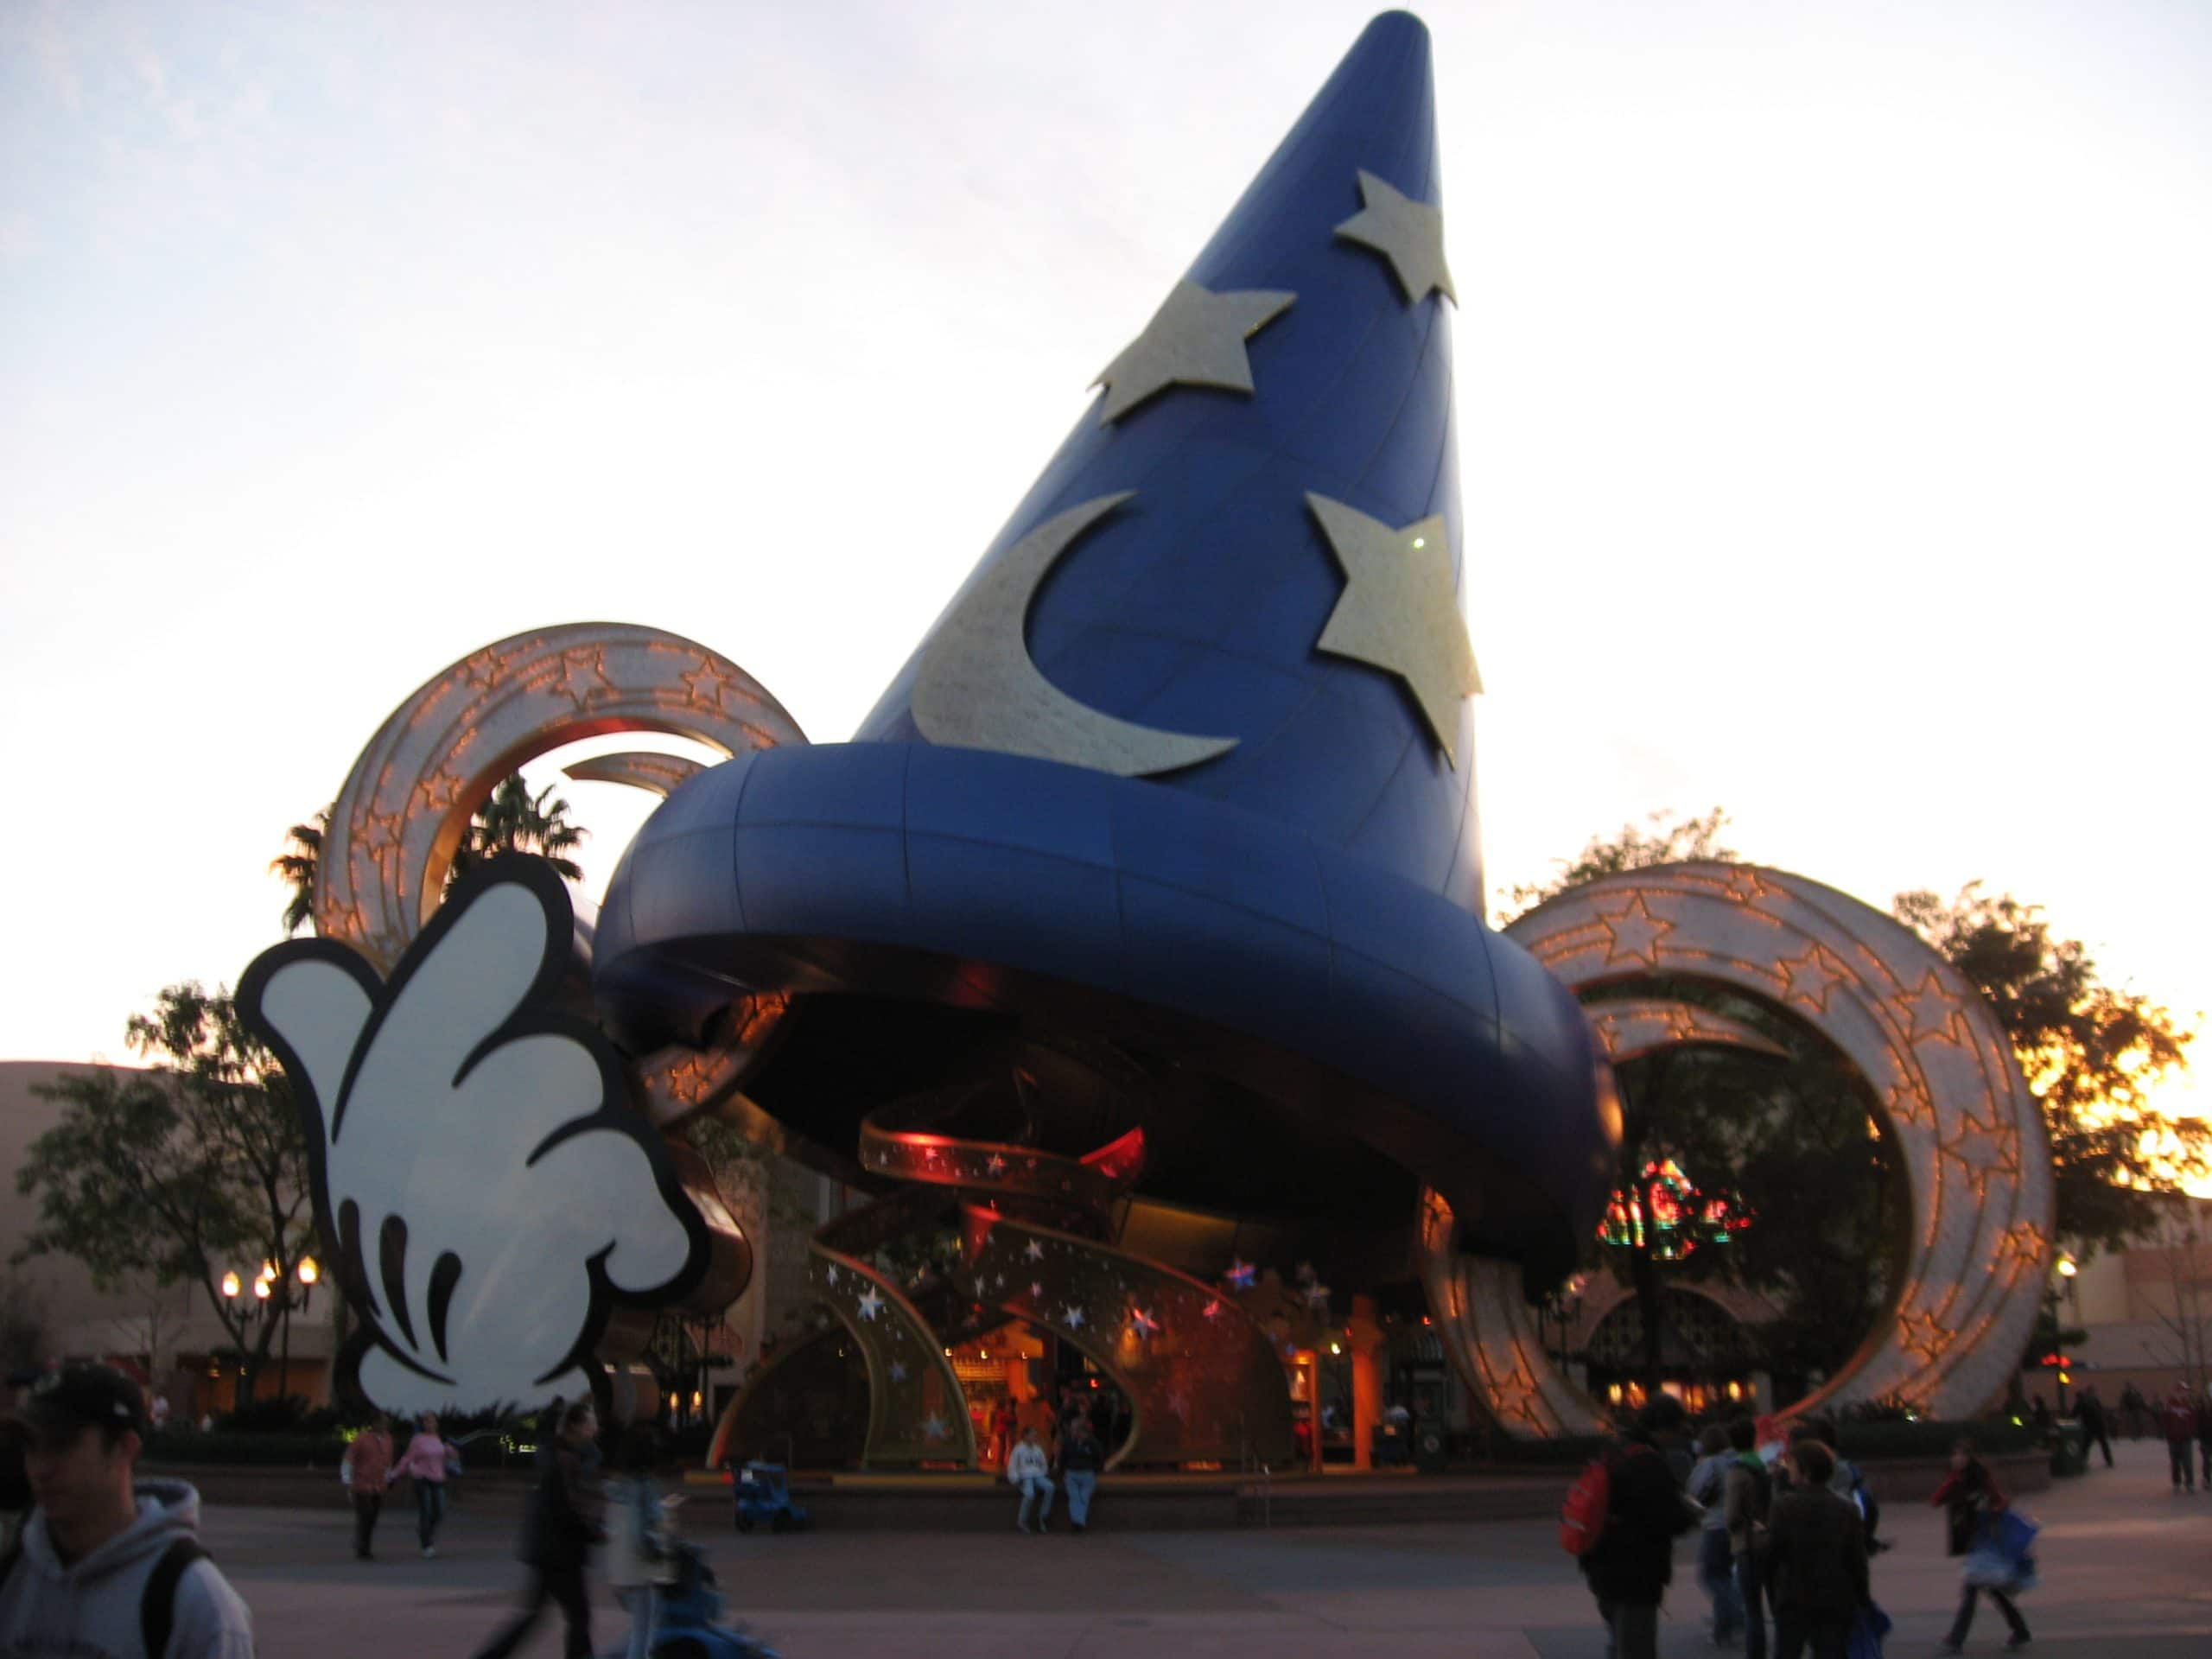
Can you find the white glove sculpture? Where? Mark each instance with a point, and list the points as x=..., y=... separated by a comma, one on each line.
x=488, y=1191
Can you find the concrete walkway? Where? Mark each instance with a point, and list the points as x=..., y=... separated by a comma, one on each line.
x=2127, y=1574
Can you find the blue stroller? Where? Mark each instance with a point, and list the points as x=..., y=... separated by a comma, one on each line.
x=688, y=1625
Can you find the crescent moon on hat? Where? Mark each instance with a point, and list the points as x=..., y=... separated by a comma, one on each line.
x=977, y=687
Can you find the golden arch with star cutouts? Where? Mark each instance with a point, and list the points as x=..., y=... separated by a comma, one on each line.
x=1969, y=1135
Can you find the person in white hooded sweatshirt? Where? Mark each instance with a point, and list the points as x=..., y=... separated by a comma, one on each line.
x=109, y=1567
x=1027, y=1467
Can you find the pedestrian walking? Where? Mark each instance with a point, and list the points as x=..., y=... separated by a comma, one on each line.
x=1970, y=1497
x=109, y=1564
x=1630, y=1564
x=1816, y=1560
x=368, y=1470
x=559, y=1527
x=1027, y=1469
x=2096, y=1423
x=2177, y=1419
x=1081, y=1459
x=2132, y=1403
x=1747, y=1506
x=1716, y=1562
x=2204, y=1434
x=637, y=1534
x=429, y=1458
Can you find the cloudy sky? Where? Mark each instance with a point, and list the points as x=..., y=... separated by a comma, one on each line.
x=1832, y=382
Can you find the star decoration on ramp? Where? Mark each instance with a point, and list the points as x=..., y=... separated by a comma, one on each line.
x=1632, y=933
x=1399, y=612
x=1810, y=978
x=1196, y=338
x=1924, y=1334
x=1408, y=233
x=898, y=1371
x=2023, y=1243
x=1143, y=1323
x=1933, y=1012
x=871, y=1303
x=934, y=1428
x=1033, y=1250
x=1072, y=1318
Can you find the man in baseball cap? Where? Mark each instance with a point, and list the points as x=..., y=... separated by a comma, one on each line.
x=108, y=1563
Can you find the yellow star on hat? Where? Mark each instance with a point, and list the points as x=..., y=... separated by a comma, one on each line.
x=1196, y=338
x=1408, y=233
x=1399, y=612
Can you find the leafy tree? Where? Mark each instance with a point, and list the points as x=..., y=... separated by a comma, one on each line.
x=183, y=1171
x=511, y=820
x=1792, y=1138
x=1666, y=842
x=2092, y=1054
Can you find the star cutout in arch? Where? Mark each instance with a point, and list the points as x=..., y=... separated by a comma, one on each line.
x=1196, y=338
x=1632, y=933
x=1933, y=1012
x=1408, y=233
x=1810, y=978
x=1400, y=613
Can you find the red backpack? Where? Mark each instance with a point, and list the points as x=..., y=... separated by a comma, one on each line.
x=1582, y=1517
x=1589, y=1501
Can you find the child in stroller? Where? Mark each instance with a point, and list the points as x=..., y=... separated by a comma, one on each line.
x=689, y=1624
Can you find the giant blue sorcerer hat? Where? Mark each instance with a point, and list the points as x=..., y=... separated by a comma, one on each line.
x=1188, y=764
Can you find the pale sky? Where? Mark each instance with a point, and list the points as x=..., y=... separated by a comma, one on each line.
x=1833, y=381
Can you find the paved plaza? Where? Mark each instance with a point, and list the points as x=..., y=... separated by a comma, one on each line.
x=2127, y=1573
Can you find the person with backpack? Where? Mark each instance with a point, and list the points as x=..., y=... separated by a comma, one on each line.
x=1716, y=1563
x=1624, y=1514
x=1970, y=1497
x=1747, y=1502
x=109, y=1563
x=1816, y=1560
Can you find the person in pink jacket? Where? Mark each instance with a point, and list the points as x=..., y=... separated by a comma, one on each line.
x=428, y=1458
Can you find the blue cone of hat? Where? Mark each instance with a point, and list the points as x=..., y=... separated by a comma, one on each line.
x=1186, y=770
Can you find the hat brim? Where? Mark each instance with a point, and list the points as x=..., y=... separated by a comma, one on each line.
x=1340, y=992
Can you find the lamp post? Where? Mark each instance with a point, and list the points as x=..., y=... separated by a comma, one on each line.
x=263, y=1291
x=253, y=1308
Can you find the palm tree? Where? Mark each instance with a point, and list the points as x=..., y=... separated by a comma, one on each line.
x=515, y=820
x=297, y=864
x=512, y=821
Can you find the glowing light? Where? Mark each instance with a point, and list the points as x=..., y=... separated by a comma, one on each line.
x=308, y=1271
x=1665, y=1214
x=230, y=1284
x=261, y=1288
x=2068, y=1267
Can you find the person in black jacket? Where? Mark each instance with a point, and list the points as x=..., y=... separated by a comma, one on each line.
x=1816, y=1560
x=2090, y=1409
x=1630, y=1566
x=559, y=1527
